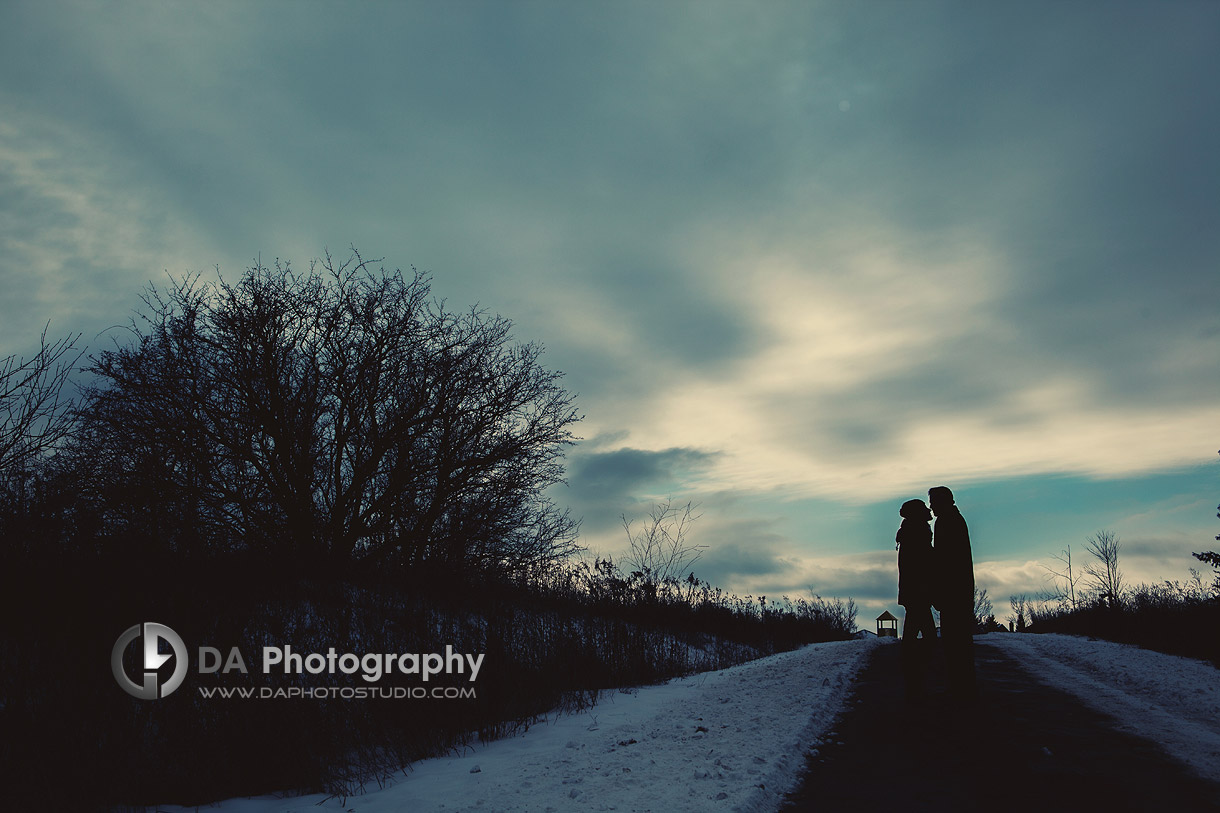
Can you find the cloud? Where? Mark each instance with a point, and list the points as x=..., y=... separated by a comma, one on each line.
x=1153, y=559
x=789, y=256
x=78, y=245
x=774, y=568
x=1005, y=324
x=739, y=551
x=880, y=370
x=869, y=579
x=626, y=468
x=1004, y=578
x=603, y=486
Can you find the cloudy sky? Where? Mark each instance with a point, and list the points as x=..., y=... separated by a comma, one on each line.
x=801, y=261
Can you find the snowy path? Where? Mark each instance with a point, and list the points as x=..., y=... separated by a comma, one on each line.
x=1025, y=745
x=1172, y=701
x=733, y=740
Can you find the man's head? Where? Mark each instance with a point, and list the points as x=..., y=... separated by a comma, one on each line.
x=941, y=499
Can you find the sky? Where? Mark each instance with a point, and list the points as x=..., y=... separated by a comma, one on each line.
x=799, y=261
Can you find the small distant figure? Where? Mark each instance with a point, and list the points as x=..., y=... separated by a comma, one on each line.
x=955, y=592
x=916, y=588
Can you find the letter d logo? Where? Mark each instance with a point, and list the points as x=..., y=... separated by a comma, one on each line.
x=153, y=659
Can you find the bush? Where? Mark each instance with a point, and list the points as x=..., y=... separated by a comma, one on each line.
x=547, y=645
x=1172, y=617
x=338, y=417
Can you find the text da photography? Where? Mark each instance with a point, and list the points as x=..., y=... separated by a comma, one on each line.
x=282, y=660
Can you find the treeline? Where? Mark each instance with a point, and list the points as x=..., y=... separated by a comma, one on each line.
x=337, y=420
x=73, y=734
x=1180, y=618
x=1168, y=617
x=327, y=458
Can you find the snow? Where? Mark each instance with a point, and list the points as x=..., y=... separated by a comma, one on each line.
x=732, y=740
x=1170, y=700
x=736, y=739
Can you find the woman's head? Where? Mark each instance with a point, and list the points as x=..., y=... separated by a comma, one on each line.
x=915, y=509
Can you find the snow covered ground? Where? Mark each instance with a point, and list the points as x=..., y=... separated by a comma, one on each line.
x=1170, y=700
x=733, y=740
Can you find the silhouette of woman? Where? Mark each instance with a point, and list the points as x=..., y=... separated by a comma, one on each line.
x=916, y=585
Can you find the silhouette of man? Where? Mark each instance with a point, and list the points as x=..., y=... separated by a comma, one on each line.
x=955, y=595
x=916, y=580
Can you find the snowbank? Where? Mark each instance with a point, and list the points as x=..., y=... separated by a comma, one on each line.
x=733, y=740
x=1170, y=700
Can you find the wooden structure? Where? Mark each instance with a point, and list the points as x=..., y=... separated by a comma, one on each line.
x=887, y=625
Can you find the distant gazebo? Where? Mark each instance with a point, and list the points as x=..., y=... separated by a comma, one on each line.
x=887, y=625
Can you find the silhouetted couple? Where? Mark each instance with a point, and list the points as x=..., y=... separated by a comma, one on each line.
x=935, y=569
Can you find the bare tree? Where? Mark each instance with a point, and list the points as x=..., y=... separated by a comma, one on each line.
x=338, y=415
x=1212, y=558
x=1020, y=612
x=33, y=415
x=1064, y=584
x=983, y=607
x=660, y=551
x=1104, y=574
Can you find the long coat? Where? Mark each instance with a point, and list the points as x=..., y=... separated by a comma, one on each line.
x=954, y=563
x=916, y=566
